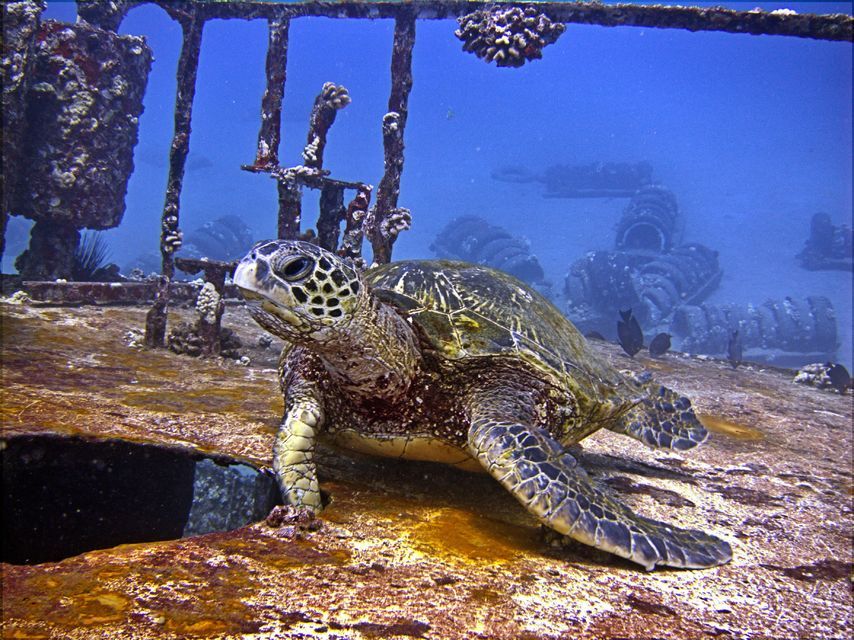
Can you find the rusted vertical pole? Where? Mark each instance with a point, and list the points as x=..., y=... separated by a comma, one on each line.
x=170, y=235
x=357, y=210
x=290, y=209
x=332, y=213
x=210, y=324
x=270, y=134
x=381, y=229
x=331, y=99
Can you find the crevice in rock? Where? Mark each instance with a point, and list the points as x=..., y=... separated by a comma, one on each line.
x=65, y=496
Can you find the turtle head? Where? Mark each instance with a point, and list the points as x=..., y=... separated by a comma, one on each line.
x=298, y=291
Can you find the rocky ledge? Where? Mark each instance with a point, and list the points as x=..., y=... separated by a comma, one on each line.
x=417, y=550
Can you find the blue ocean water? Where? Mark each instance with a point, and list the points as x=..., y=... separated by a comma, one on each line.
x=753, y=134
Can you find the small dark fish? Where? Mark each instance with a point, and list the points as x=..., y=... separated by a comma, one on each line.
x=629, y=333
x=734, y=349
x=594, y=335
x=839, y=377
x=660, y=345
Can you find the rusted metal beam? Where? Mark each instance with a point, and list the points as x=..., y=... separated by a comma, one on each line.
x=838, y=26
x=188, y=65
x=381, y=235
x=290, y=183
x=215, y=271
x=107, y=293
x=755, y=22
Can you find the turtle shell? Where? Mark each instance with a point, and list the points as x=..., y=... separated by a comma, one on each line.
x=470, y=311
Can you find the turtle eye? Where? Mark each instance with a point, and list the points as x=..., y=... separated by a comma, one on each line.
x=296, y=269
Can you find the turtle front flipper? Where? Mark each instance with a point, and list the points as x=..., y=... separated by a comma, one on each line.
x=550, y=484
x=293, y=453
x=661, y=418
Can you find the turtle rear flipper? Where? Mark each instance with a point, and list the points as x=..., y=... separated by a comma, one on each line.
x=661, y=418
x=550, y=484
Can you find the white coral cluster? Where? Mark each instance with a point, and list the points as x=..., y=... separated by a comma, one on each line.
x=19, y=297
x=134, y=338
x=173, y=240
x=207, y=303
x=309, y=154
x=172, y=237
x=335, y=95
x=391, y=123
x=399, y=220
x=510, y=37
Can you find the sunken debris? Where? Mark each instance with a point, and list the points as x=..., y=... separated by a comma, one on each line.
x=291, y=181
x=654, y=285
x=829, y=247
x=510, y=36
x=54, y=240
x=826, y=375
x=474, y=239
x=595, y=180
x=650, y=271
x=651, y=221
x=787, y=332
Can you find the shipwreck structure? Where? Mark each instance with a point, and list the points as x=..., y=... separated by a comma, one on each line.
x=68, y=90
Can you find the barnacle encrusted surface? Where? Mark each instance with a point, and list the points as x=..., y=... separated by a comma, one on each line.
x=207, y=302
x=510, y=37
x=84, y=102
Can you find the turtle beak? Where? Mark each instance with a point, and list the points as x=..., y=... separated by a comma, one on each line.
x=246, y=278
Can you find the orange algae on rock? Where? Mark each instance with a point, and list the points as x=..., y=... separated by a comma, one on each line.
x=459, y=533
x=732, y=429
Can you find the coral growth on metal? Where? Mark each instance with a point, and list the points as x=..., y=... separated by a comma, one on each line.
x=509, y=37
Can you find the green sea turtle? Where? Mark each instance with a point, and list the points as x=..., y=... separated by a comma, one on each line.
x=462, y=364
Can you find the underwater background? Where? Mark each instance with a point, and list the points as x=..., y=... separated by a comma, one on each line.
x=752, y=134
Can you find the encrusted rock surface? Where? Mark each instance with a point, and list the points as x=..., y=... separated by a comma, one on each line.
x=417, y=550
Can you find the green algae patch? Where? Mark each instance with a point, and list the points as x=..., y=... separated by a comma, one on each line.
x=732, y=429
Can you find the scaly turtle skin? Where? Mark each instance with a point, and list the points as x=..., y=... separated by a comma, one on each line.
x=462, y=364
